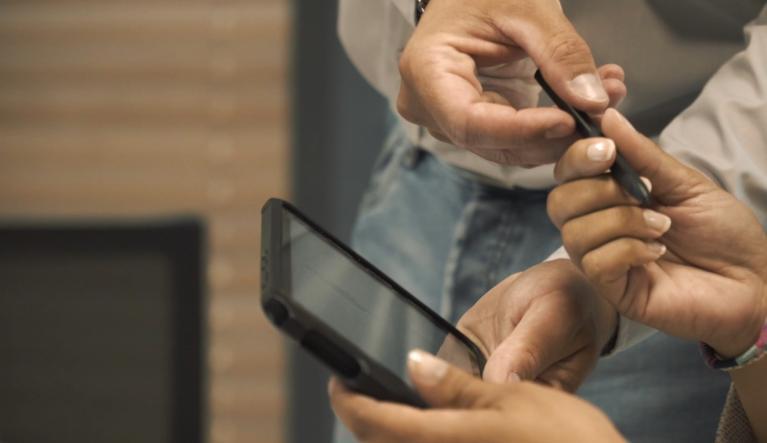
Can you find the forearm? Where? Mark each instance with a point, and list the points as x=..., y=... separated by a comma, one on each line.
x=750, y=381
x=723, y=133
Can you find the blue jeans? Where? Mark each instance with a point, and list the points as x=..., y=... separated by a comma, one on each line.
x=448, y=239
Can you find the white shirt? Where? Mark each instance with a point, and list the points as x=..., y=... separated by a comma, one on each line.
x=667, y=51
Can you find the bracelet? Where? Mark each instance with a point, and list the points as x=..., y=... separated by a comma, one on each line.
x=420, y=7
x=610, y=345
x=752, y=355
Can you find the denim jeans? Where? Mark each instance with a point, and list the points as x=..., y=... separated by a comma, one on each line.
x=448, y=239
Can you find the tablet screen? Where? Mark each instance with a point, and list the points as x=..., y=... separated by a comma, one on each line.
x=359, y=305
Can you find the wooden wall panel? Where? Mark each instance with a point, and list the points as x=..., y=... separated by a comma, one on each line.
x=147, y=107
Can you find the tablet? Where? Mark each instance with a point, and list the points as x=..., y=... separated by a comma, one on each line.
x=348, y=314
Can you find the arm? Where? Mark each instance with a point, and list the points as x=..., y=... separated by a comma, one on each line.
x=467, y=78
x=723, y=133
x=693, y=265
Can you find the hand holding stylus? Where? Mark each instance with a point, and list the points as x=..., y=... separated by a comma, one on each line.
x=623, y=173
x=467, y=77
x=694, y=264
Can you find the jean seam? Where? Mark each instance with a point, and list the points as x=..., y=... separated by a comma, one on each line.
x=387, y=169
x=454, y=255
x=503, y=242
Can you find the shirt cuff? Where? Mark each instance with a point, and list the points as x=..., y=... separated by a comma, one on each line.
x=407, y=8
x=630, y=333
x=559, y=254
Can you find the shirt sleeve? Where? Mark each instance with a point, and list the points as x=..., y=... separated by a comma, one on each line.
x=724, y=132
x=629, y=331
x=407, y=8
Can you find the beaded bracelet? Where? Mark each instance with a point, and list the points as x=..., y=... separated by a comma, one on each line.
x=752, y=355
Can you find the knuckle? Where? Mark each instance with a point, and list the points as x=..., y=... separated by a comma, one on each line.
x=404, y=105
x=566, y=47
x=554, y=204
x=624, y=217
x=405, y=63
x=593, y=269
x=357, y=426
x=570, y=238
x=559, y=173
x=458, y=129
x=629, y=248
x=438, y=135
x=500, y=156
x=529, y=361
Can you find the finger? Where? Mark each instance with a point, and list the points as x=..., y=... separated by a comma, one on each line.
x=445, y=386
x=527, y=155
x=672, y=181
x=607, y=267
x=584, y=196
x=411, y=109
x=612, y=71
x=568, y=374
x=562, y=55
x=533, y=346
x=614, y=81
x=617, y=91
x=589, y=157
x=454, y=97
x=483, y=125
x=495, y=97
x=583, y=234
x=367, y=418
x=372, y=420
x=438, y=135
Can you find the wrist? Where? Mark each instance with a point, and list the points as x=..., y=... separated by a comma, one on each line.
x=748, y=332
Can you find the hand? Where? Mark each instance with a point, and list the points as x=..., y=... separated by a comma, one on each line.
x=468, y=410
x=694, y=265
x=544, y=324
x=466, y=78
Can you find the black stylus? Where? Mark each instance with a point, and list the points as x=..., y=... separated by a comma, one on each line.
x=623, y=173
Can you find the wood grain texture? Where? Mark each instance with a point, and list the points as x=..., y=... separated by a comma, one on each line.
x=150, y=107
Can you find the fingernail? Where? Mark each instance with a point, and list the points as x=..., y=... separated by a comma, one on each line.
x=656, y=220
x=513, y=377
x=647, y=183
x=601, y=151
x=429, y=369
x=559, y=131
x=657, y=248
x=621, y=117
x=589, y=87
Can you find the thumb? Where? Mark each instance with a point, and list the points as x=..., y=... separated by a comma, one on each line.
x=444, y=386
x=563, y=56
x=671, y=180
x=532, y=347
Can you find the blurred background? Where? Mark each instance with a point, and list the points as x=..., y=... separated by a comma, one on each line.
x=138, y=141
